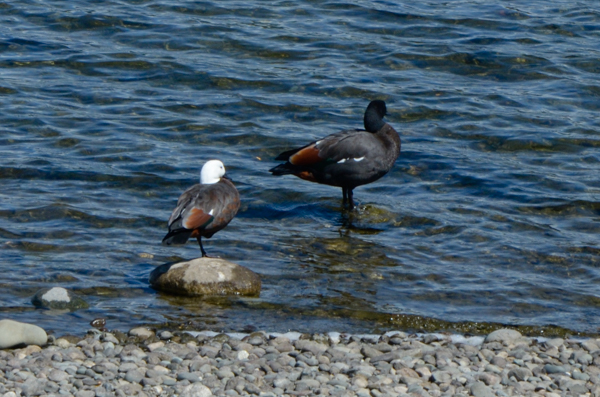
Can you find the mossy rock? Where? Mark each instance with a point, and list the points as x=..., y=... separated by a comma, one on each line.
x=58, y=298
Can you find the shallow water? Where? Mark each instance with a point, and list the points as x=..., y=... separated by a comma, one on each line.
x=491, y=215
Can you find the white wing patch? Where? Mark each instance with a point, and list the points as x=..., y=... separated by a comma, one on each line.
x=211, y=212
x=357, y=159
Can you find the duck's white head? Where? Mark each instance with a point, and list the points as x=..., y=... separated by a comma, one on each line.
x=212, y=172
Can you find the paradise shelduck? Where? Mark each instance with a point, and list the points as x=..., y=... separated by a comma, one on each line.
x=205, y=208
x=347, y=158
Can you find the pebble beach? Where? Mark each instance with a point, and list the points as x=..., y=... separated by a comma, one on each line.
x=142, y=362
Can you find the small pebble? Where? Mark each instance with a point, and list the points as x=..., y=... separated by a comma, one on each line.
x=141, y=332
x=554, y=369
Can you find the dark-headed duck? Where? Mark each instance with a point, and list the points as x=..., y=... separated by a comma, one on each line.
x=349, y=158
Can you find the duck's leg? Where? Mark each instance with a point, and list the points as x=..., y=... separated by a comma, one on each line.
x=350, y=199
x=199, y=238
x=344, y=195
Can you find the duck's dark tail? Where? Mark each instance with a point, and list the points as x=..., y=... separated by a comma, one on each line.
x=285, y=156
x=287, y=168
x=177, y=237
x=284, y=169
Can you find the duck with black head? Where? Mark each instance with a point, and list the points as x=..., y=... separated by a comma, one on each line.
x=348, y=158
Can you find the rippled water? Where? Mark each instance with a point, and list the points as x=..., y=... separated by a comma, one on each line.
x=491, y=215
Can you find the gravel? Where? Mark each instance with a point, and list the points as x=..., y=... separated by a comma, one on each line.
x=174, y=363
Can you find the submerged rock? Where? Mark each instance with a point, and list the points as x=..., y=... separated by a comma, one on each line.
x=14, y=333
x=58, y=298
x=205, y=276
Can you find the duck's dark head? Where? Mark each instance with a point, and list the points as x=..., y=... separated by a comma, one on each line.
x=374, y=116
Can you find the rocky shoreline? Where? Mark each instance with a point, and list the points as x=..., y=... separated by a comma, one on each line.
x=142, y=363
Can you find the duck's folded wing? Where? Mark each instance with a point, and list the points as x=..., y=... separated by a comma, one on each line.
x=190, y=212
x=345, y=145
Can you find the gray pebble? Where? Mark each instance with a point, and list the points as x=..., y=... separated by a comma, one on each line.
x=441, y=377
x=193, y=378
x=556, y=342
x=499, y=361
x=489, y=379
x=393, y=355
x=57, y=375
x=370, y=352
x=582, y=357
x=51, y=387
x=311, y=361
x=339, y=383
x=125, y=367
x=281, y=382
x=85, y=393
x=225, y=373
x=315, y=348
x=493, y=369
x=196, y=390
x=90, y=382
x=256, y=341
x=577, y=375
x=151, y=381
x=478, y=389
x=177, y=360
x=32, y=387
x=503, y=336
x=590, y=345
x=520, y=373
x=554, y=369
x=134, y=376
x=252, y=389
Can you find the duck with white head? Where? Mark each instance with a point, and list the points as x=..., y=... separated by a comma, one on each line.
x=205, y=208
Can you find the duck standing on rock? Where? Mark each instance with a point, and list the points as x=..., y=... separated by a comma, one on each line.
x=205, y=208
x=347, y=158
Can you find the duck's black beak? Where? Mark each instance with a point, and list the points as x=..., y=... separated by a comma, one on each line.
x=226, y=177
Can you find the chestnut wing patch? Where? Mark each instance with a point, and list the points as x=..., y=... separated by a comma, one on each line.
x=306, y=156
x=197, y=219
x=307, y=176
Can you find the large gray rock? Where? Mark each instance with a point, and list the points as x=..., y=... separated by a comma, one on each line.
x=205, y=276
x=14, y=333
x=58, y=298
